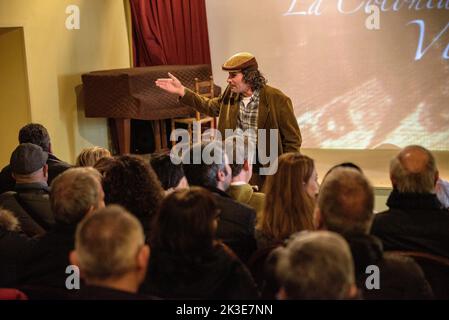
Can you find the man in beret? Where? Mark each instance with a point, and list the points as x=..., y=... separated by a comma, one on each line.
x=30, y=200
x=247, y=103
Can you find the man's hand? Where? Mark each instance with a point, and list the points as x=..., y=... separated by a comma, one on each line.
x=172, y=85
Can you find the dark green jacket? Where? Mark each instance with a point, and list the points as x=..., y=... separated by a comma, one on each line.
x=275, y=112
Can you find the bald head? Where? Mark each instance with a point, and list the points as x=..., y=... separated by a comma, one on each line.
x=414, y=170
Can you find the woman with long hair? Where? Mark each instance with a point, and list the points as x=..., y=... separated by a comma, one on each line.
x=289, y=200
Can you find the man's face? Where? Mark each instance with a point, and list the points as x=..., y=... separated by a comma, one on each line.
x=235, y=80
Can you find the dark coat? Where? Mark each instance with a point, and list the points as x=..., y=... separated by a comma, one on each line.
x=216, y=275
x=50, y=258
x=414, y=222
x=30, y=203
x=87, y=292
x=15, y=248
x=236, y=225
x=400, y=277
x=55, y=167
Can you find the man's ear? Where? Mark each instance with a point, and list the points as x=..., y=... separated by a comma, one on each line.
x=143, y=257
x=437, y=177
x=221, y=176
x=73, y=258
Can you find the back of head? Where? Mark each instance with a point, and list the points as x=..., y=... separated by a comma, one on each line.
x=346, y=202
x=184, y=224
x=316, y=265
x=27, y=159
x=288, y=206
x=107, y=243
x=89, y=156
x=202, y=163
x=169, y=173
x=74, y=193
x=37, y=134
x=130, y=182
x=414, y=170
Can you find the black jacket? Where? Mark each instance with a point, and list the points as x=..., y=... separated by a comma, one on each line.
x=400, y=277
x=55, y=167
x=47, y=264
x=414, y=222
x=30, y=203
x=215, y=275
x=236, y=225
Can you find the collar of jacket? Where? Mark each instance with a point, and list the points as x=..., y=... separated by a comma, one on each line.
x=35, y=186
x=406, y=200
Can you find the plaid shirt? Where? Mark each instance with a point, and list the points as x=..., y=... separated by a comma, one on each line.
x=247, y=118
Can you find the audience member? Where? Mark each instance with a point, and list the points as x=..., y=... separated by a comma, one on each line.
x=130, y=182
x=289, y=201
x=345, y=206
x=75, y=194
x=89, y=156
x=416, y=220
x=314, y=266
x=187, y=261
x=111, y=254
x=239, y=151
x=170, y=175
x=236, y=225
x=37, y=134
x=30, y=200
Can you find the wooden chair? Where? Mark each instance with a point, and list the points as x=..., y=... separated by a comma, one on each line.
x=435, y=268
x=206, y=89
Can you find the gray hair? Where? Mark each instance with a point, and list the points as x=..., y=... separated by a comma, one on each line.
x=414, y=182
x=107, y=243
x=74, y=192
x=316, y=265
x=346, y=201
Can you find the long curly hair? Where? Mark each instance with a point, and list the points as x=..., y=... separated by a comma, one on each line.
x=130, y=182
x=254, y=78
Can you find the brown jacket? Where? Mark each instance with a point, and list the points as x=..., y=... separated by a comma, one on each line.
x=275, y=112
x=244, y=193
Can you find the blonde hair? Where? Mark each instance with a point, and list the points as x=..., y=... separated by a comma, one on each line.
x=89, y=156
x=288, y=206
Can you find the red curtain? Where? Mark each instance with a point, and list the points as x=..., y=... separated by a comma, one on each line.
x=169, y=32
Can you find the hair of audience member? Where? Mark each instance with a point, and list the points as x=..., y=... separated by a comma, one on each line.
x=107, y=243
x=344, y=165
x=316, y=265
x=74, y=192
x=254, y=78
x=102, y=164
x=35, y=133
x=238, y=150
x=8, y=221
x=184, y=224
x=407, y=181
x=203, y=174
x=89, y=156
x=288, y=208
x=346, y=202
x=169, y=174
x=130, y=182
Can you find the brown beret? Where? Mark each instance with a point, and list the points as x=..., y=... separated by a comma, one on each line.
x=28, y=158
x=239, y=62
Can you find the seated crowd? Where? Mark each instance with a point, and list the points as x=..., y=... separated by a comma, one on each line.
x=129, y=228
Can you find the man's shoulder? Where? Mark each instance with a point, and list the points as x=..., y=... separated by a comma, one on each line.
x=273, y=92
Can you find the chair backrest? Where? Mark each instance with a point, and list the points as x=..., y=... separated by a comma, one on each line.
x=435, y=268
x=204, y=88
